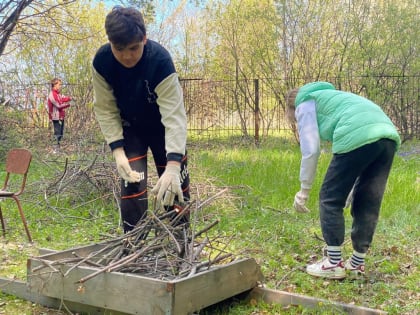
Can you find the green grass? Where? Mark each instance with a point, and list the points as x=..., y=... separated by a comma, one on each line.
x=284, y=241
x=257, y=210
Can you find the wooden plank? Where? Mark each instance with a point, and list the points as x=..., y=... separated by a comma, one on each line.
x=46, y=251
x=19, y=289
x=287, y=298
x=82, y=251
x=215, y=285
x=122, y=292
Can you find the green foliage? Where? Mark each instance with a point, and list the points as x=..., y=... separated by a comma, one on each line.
x=147, y=7
x=10, y=134
x=77, y=33
x=246, y=39
x=294, y=40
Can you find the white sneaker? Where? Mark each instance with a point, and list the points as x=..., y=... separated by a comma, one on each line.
x=354, y=271
x=325, y=269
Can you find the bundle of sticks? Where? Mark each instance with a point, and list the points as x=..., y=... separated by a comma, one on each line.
x=164, y=245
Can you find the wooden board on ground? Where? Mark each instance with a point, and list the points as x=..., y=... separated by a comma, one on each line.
x=20, y=289
x=286, y=298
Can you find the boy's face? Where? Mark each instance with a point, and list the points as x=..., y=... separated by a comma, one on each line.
x=57, y=86
x=129, y=55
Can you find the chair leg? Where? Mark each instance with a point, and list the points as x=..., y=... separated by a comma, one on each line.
x=2, y=222
x=23, y=219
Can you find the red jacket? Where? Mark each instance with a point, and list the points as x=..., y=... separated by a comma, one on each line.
x=56, y=105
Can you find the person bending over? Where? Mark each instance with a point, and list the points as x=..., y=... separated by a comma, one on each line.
x=364, y=142
x=139, y=106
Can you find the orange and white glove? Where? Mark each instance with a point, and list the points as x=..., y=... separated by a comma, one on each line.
x=300, y=200
x=169, y=185
x=124, y=168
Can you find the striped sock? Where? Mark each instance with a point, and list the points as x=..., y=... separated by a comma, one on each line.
x=357, y=259
x=334, y=254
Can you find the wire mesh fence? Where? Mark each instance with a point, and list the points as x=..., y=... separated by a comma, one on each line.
x=250, y=108
x=257, y=107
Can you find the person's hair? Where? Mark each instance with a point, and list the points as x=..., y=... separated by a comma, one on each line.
x=291, y=97
x=124, y=26
x=290, y=105
x=54, y=82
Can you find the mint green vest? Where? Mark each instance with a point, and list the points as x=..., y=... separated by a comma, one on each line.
x=347, y=120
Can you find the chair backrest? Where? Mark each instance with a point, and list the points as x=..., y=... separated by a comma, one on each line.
x=18, y=161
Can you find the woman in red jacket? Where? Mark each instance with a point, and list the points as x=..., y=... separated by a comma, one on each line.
x=56, y=105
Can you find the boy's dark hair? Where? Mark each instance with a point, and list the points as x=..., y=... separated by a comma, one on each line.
x=124, y=26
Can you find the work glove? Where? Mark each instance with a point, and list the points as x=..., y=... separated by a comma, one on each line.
x=169, y=185
x=300, y=199
x=124, y=168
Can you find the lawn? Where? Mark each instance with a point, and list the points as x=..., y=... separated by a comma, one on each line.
x=65, y=211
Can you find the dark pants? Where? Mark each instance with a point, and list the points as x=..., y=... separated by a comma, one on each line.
x=134, y=200
x=58, y=130
x=367, y=168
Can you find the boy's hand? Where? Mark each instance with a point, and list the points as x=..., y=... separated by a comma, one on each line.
x=124, y=168
x=300, y=200
x=169, y=185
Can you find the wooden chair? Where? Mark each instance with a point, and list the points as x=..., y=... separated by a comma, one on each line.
x=17, y=164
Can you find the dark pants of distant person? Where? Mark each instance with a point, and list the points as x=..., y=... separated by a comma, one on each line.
x=367, y=168
x=58, y=130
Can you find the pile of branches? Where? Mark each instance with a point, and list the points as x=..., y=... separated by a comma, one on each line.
x=164, y=245
x=83, y=175
x=76, y=187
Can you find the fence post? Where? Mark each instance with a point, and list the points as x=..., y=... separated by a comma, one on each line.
x=257, y=111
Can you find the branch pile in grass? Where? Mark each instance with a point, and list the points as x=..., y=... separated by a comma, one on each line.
x=164, y=245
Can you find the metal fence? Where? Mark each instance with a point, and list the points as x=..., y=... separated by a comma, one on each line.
x=226, y=107
x=257, y=107
x=247, y=108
